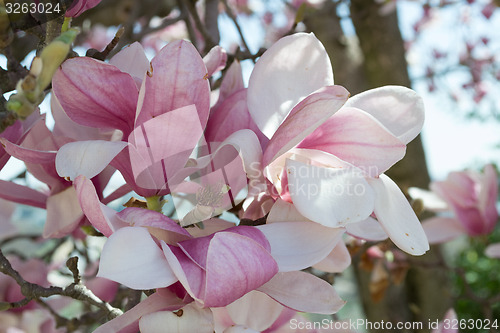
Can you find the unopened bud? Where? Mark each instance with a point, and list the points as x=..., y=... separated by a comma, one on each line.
x=53, y=55
x=36, y=66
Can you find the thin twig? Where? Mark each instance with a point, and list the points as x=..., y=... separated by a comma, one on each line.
x=231, y=15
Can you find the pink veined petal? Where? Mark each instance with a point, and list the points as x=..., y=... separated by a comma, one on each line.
x=87, y=158
x=161, y=146
x=132, y=258
x=80, y=6
x=97, y=213
x=215, y=60
x=190, y=275
x=176, y=78
x=66, y=127
x=129, y=321
x=192, y=319
x=397, y=217
x=294, y=67
x=369, y=229
x=298, y=245
x=236, y=264
x=63, y=213
x=330, y=196
x=255, y=310
x=158, y=224
x=230, y=116
x=399, y=109
x=442, y=229
x=28, y=155
x=303, y=292
x=12, y=133
x=132, y=60
x=337, y=261
x=358, y=138
x=22, y=194
x=96, y=94
x=493, y=250
x=304, y=119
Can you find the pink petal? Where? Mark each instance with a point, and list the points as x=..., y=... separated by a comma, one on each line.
x=298, y=245
x=96, y=94
x=235, y=265
x=337, y=261
x=294, y=67
x=190, y=274
x=66, y=127
x=397, y=217
x=97, y=213
x=80, y=6
x=177, y=78
x=232, y=81
x=22, y=194
x=493, y=250
x=330, y=196
x=488, y=197
x=305, y=117
x=369, y=229
x=442, y=229
x=63, y=213
x=87, y=158
x=13, y=134
x=153, y=161
x=356, y=137
x=303, y=292
x=192, y=319
x=446, y=326
x=129, y=321
x=28, y=155
x=215, y=60
x=399, y=109
x=230, y=116
x=132, y=258
x=132, y=60
x=158, y=224
x=255, y=310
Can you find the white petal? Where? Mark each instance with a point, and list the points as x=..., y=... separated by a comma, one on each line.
x=63, y=213
x=430, y=199
x=332, y=197
x=337, y=261
x=255, y=310
x=86, y=158
x=294, y=67
x=132, y=258
x=397, y=217
x=399, y=109
x=298, y=245
x=369, y=229
x=189, y=319
x=303, y=292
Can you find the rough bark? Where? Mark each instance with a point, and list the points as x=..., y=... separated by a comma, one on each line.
x=373, y=58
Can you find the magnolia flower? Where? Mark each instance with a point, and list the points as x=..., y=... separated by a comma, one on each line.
x=80, y=6
x=470, y=195
x=447, y=325
x=326, y=157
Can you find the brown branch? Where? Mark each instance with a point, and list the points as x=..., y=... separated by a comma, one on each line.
x=75, y=290
x=209, y=42
x=232, y=16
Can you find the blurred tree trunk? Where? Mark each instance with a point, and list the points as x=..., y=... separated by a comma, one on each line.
x=376, y=57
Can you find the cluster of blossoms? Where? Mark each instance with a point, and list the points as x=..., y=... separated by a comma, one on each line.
x=292, y=155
